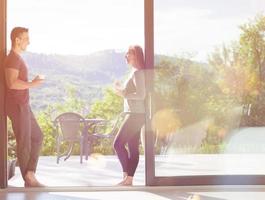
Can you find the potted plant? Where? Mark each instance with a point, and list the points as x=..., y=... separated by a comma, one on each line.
x=11, y=163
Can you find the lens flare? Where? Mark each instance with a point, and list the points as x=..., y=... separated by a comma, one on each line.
x=97, y=160
x=165, y=122
x=194, y=197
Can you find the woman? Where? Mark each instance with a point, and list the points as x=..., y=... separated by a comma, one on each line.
x=129, y=133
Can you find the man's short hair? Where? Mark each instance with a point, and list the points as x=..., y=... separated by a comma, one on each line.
x=16, y=32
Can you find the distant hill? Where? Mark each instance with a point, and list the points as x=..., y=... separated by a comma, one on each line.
x=88, y=73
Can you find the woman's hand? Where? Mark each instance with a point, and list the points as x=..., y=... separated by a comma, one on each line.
x=118, y=89
x=119, y=92
x=117, y=84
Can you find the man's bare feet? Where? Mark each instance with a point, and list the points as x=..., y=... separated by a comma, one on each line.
x=33, y=184
x=31, y=181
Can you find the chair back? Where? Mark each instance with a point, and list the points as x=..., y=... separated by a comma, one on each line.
x=108, y=128
x=70, y=125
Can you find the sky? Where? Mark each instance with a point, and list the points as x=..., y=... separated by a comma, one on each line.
x=80, y=27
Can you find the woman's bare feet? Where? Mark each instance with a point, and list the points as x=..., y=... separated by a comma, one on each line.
x=127, y=181
x=120, y=183
x=125, y=174
x=31, y=181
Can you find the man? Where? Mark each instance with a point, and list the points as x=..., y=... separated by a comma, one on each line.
x=26, y=129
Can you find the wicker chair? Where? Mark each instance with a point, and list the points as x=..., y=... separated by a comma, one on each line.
x=69, y=128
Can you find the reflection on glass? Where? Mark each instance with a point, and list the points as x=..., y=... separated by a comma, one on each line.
x=209, y=89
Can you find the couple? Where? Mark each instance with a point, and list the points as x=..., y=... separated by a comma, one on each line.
x=28, y=134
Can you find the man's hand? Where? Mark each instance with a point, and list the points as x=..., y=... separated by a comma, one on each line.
x=13, y=82
x=37, y=81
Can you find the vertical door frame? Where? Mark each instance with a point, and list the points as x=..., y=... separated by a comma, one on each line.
x=149, y=61
x=3, y=131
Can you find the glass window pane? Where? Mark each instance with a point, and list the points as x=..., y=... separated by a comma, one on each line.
x=209, y=87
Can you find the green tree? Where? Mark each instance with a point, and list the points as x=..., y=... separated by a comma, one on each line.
x=72, y=103
x=240, y=69
x=107, y=108
x=252, y=44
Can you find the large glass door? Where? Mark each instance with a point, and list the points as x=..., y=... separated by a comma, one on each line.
x=208, y=93
x=80, y=47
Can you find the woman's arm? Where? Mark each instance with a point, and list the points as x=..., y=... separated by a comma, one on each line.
x=139, y=80
x=118, y=89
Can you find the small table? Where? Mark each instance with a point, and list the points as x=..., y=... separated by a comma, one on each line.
x=89, y=122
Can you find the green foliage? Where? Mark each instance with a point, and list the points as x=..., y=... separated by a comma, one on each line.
x=252, y=49
x=184, y=86
x=211, y=148
x=234, y=76
x=252, y=44
x=46, y=124
x=107, y=108
x=240, y=68
x=11, y=141
x=72, y=102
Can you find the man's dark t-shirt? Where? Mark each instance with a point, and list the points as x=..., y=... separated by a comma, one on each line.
x=14, y=61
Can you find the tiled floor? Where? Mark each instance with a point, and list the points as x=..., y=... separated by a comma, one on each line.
x=96, y=171
x=101, y=170
x=138, y=193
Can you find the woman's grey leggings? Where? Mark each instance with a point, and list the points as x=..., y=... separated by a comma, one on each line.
x=129, y=133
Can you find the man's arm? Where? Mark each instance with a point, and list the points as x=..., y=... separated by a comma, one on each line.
x=13, y=82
